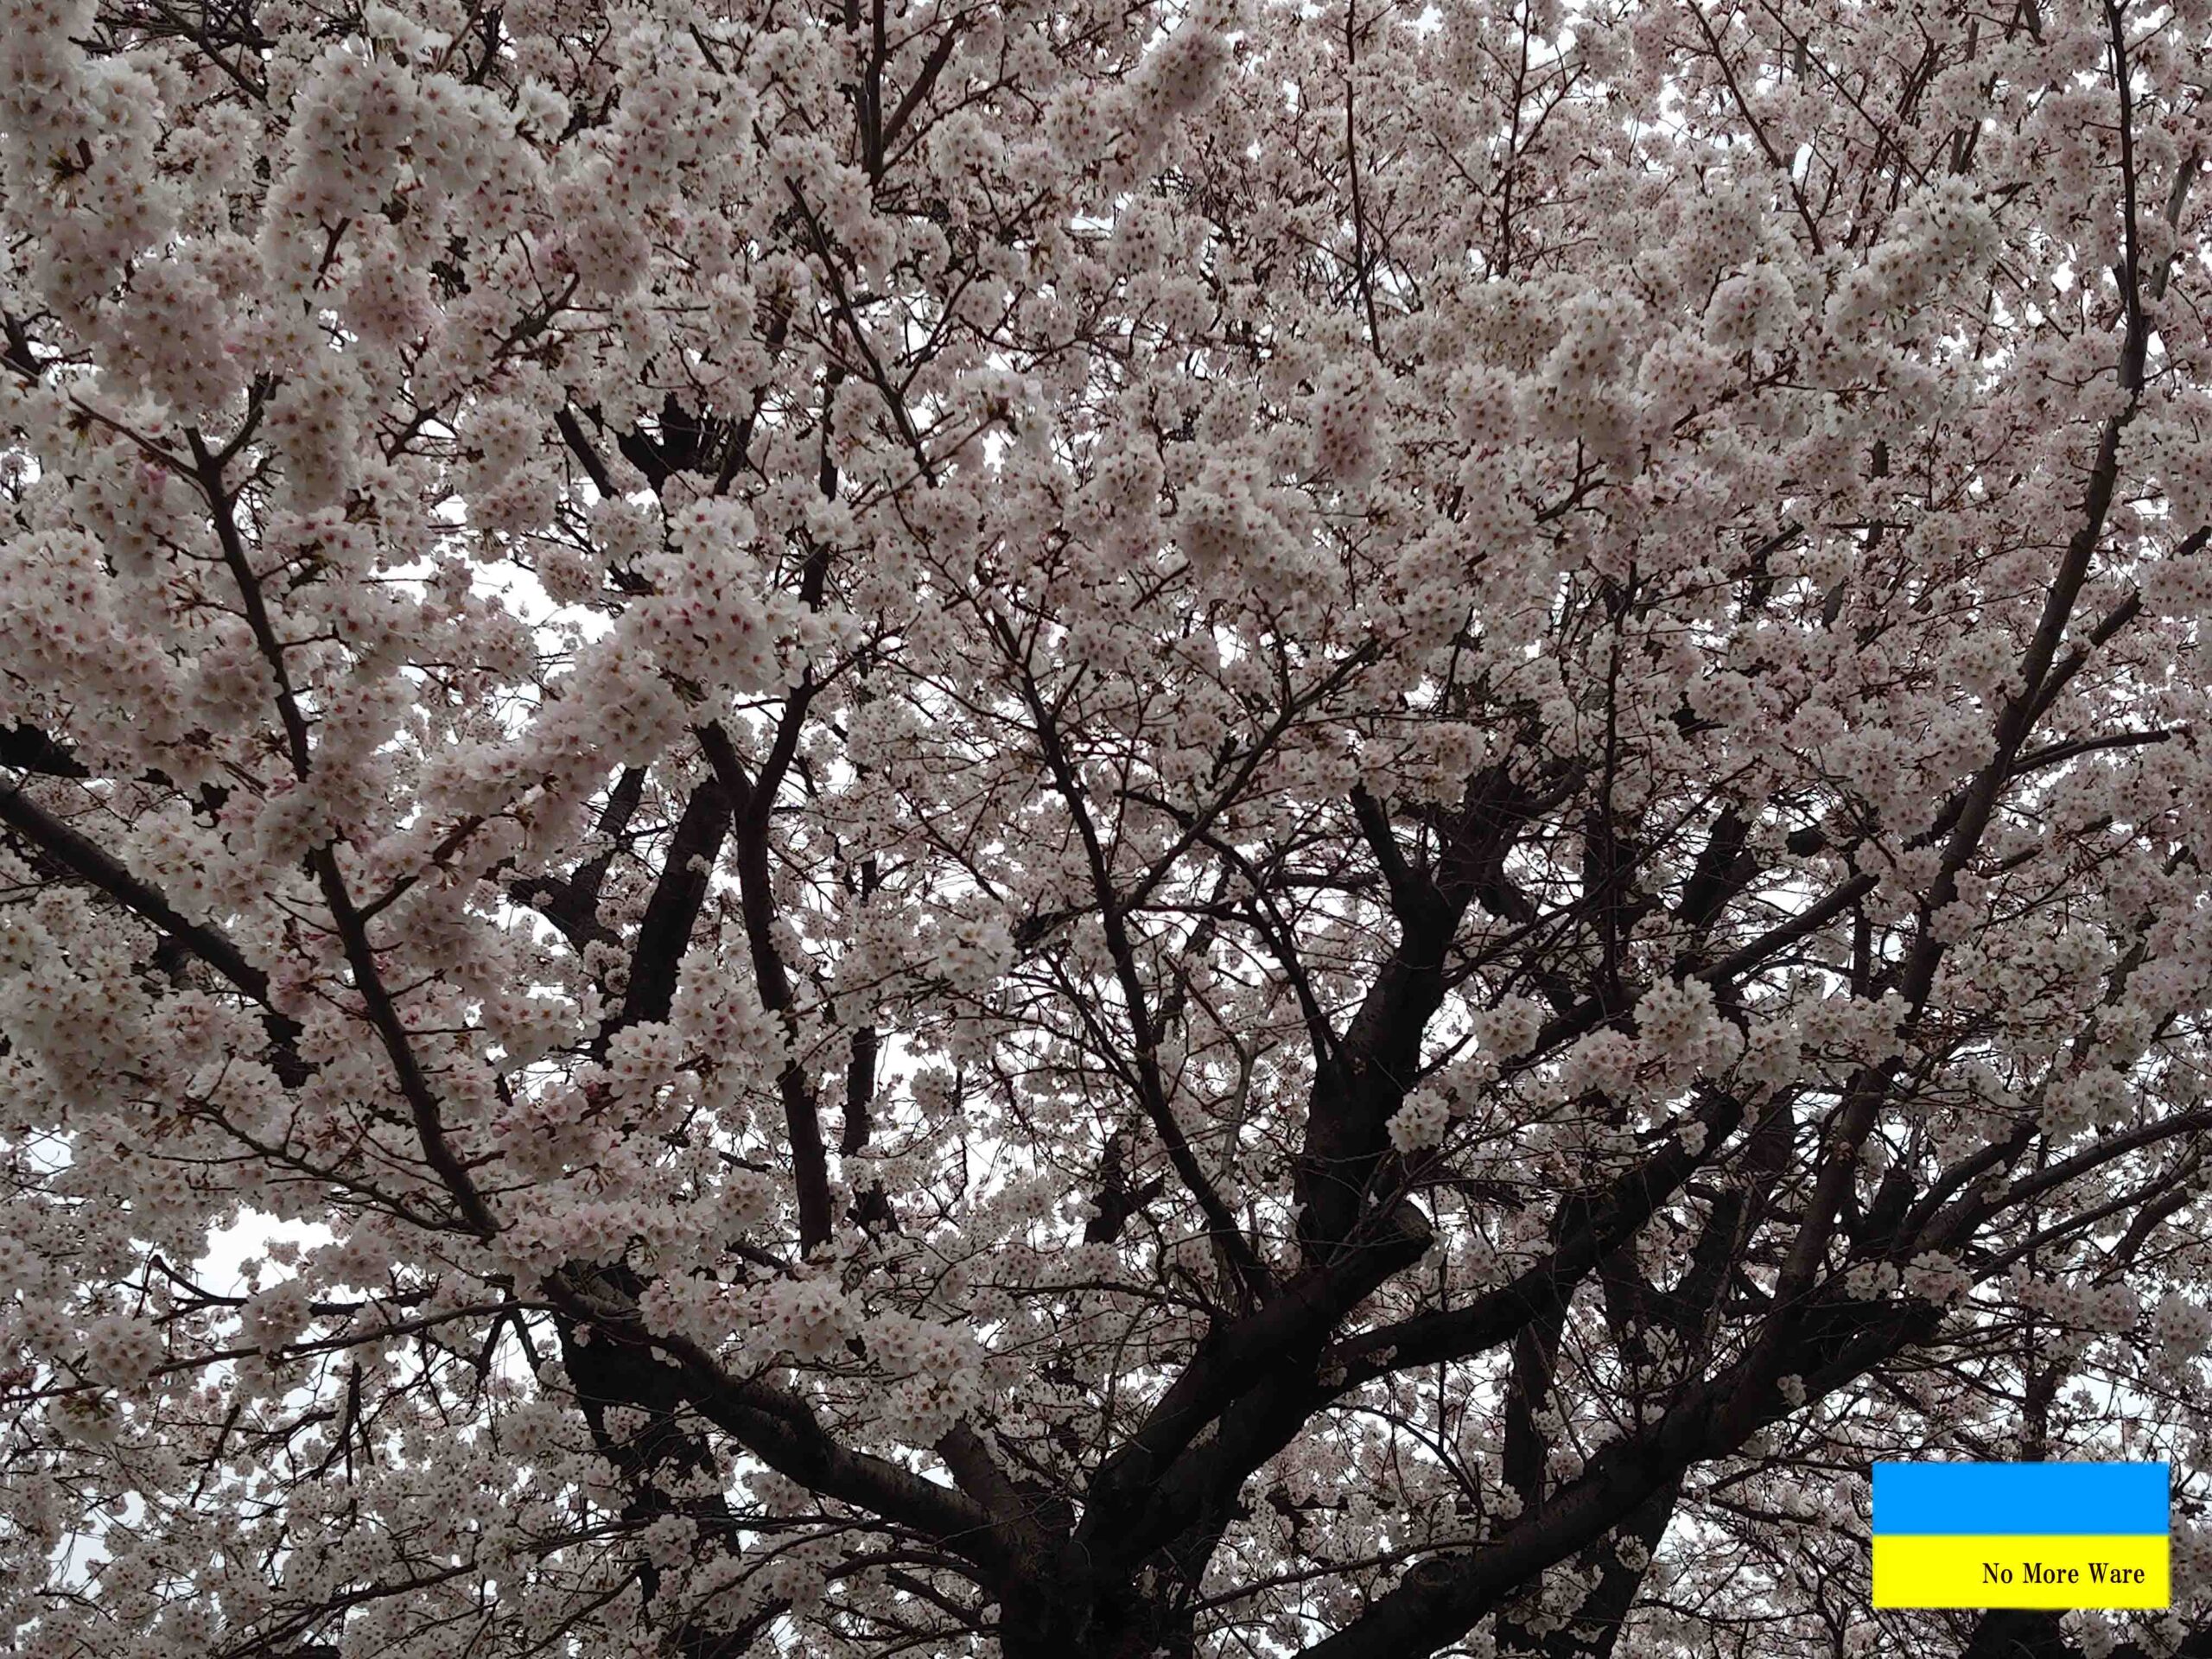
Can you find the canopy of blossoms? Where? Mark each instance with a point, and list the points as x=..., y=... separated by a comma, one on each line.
x=1095, y=830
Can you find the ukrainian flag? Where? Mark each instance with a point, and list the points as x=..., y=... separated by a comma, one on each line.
x=2021, y=1535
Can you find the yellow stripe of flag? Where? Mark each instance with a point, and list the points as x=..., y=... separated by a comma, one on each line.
x=2007, y=1570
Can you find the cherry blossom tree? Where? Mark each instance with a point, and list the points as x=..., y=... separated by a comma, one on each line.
x=1092, y=831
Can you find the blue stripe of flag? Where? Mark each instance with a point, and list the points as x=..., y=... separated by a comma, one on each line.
x=2021, y=1499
